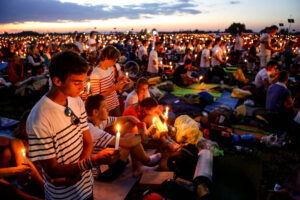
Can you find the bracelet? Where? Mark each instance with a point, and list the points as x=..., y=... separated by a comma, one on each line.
x=89, y=163
x=82, y=165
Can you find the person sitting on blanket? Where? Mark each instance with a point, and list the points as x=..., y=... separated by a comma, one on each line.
x=181, y=76
x=140, y=92
x=130, y=141
x=12, y=164
x=145, y=111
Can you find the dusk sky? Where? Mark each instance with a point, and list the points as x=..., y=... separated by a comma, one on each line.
x=165, y=15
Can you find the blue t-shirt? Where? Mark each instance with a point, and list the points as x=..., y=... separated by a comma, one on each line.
x=276, y=95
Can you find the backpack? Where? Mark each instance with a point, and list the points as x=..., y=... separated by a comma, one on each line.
x=221, y=115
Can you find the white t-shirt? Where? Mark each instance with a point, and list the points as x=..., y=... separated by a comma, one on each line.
x=260, y=77
x=92, y=48
x=142, y=51
x=238, y=46
x=151, y=67
x=132, y=98
x=80, y=45
x=51, y=134
x=205, y=54
x=100, y=137
x=264, y=38
x=216, y=53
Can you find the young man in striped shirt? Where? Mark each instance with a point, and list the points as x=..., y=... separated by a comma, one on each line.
x=59, y=137
x=103, y=81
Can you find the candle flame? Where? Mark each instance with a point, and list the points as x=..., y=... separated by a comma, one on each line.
x=118, y=128
x=126, y=73
x=200, y=78
x=23, y=152
x=154, y=119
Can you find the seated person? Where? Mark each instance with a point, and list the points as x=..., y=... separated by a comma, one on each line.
x=278, y=95
x=145, y=111
x=180, y=76
x=141, y=92
x=262, y=78
x=12, y=165
x=130, y=141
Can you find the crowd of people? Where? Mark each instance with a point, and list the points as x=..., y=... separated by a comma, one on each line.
x=72, y=128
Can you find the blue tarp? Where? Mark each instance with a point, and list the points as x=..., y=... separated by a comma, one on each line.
x=225, y=99
x=3, y=65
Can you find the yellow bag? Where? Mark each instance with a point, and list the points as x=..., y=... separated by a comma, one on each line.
x=239, y=93
x=187, y=130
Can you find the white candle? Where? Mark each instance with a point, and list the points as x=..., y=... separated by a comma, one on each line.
x=88, y=87
x=165, y=126
x=153, y=121
x=200, y=78
x=170, y=63
x=117, y=138
x=126, y=74
x=166, y=113
x=24, y=156
x=171, y=67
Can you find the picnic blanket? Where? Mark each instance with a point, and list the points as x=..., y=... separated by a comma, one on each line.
x=225, y=99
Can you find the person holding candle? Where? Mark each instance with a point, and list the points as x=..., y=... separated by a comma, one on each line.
x=129, y=142
x=103, y=80
x=205, y=56
x=59, y=137
x=13, y=162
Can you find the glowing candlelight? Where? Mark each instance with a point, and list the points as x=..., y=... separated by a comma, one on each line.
x=153, y=121
x=166, y=113
x=24, y=156
x=200, y=78
x=126, y=74
x=165, y=126
x=170, y=63
x=88, y=87
x=171, y=67
x=117, y=138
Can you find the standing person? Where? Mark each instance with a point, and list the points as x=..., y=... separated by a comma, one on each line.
x=92, y=47
x=217, y=59
x=78, y=43
x=266, y=47
x=205, y=56
x=238, y=47
x=153, y=64
x=103, y=81
x=35, y=60
x=59, y=137
x=143, y=54
x=252, y=55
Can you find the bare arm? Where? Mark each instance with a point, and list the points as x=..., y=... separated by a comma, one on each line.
x=87, y=145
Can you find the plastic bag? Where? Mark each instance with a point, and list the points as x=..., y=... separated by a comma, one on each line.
x=187, y=130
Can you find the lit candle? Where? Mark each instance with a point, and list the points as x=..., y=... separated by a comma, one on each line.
x=171, y=67
x=200, y=78
x=24, y=156
x=117, y=138
x=166, y=113
x=88, y=87
x=153, y=121
x=126, y=74
x=165, y=126
x=170, y=63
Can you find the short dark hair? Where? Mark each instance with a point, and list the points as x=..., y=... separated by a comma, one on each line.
x=148, y=103
x=144, y=41
x=141, y=81
x=93, y=102
x=273, y=27
x=187, y=61
x=217, y=40
x=207, y=42
x=283, y=76
x=109, y=52
x=272, y=63
x=65, y=63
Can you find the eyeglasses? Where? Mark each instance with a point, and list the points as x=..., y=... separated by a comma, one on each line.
x=74, y=119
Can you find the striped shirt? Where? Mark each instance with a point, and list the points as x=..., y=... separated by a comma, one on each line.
x=52, y=135
x=101, y=81
x=100, y=137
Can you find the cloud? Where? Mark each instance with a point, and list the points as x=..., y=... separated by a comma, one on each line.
x=18, y=11
x=234, y=2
